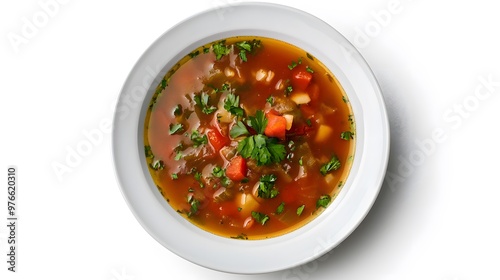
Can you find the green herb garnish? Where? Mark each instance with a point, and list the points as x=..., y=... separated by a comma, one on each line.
x=220, y=49
x=260, y=217
x=202, y=102
x=266, y=186
x=262, y=149
x=300, y=209
x=174, y=128
x=323, y=201
x=347, y=135
x=239, y=129
x=333, y=164
x=198, y=139
x=280, y=208
x=232, y=105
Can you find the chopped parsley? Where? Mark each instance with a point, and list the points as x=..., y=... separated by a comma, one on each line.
x=245, y=47
x=309, y=69
x=266, y=186
x=194, y=54
x=232, y=105
x=220, y=49
x=300, y=209
x=157, y=165
x=323, y=201
x=148, y=151
x=270, y=100
x=174, y=176
x=174, y=128
x=202, y=102
x=198, y=140
x=260, y=217
x=333, y=164
x=218, y=172
x=195, y=204
x=280, y=208
x=347, y=135
x=178, y=155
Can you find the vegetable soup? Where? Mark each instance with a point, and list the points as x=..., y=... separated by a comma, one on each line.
x=249, y=137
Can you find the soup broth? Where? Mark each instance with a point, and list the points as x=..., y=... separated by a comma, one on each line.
x=249, y=137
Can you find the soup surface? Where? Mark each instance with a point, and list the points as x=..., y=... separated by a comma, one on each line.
x=249, y=137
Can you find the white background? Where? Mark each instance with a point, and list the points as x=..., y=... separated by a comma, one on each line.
x=437, y=216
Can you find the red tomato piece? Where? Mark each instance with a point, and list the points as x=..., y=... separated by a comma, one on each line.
x=276, y=126
x=300, y=79
x=237, y=169
x=217, y=140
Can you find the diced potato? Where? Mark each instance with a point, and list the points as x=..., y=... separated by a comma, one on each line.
x=300, y=98
x=247, y=203
x=289, y=121
x=329, y=178
x=324, y=131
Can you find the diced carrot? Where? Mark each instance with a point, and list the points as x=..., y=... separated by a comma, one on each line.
x=217, y=140
x=300, y=79
x=276, y=126
x=237, y=169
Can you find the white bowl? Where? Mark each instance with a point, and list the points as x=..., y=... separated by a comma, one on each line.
x=252, y=256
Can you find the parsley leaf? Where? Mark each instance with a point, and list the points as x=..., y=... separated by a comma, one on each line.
x=220, y=49
x=174, y=128
x=280, y=208
x=198, y=140
x=333, y=164
x=323, y=201
x=260, y=217
x=238, y=130
x=262, y=149
x=195, y=204
x=347, y=135
x=266, y=186
x=277, y=151
x=259, y=122
x=232, y=105
x=202, y=101
x=300, y=209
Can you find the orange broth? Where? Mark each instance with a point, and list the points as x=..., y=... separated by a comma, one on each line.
x=249, y=137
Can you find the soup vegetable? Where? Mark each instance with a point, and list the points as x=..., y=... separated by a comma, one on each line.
x=249, y=137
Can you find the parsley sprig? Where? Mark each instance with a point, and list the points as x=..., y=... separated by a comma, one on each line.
x=264, y=150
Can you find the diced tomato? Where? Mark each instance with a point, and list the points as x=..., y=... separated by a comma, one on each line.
x=237, y=169
x=217, y=140
x=300, y=79
x=276, y=126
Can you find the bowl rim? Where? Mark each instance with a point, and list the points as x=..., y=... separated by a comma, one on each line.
x=299, y=246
